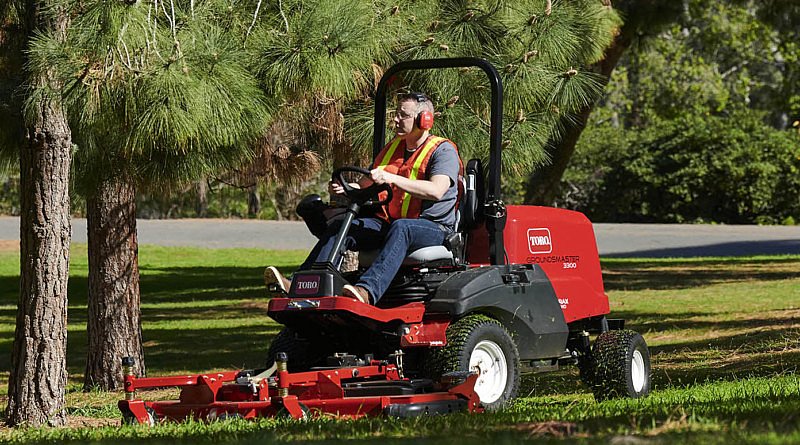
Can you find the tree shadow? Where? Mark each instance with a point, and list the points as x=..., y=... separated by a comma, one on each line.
x=736, y=248
x=172, y=350
x=640, y=275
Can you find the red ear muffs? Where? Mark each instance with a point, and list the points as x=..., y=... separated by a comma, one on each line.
x=424, y=120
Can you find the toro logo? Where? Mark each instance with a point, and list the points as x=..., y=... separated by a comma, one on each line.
x=307, y=285
x=539, y=240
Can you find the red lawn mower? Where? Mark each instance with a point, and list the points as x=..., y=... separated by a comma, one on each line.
x=515, y=289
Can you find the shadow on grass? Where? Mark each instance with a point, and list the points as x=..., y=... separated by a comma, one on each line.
x=176, y=351
x=173, y=350
x=169, y=284
x=659, y=322
x=641, y=275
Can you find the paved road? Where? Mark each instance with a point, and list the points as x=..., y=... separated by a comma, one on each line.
x=620, y=240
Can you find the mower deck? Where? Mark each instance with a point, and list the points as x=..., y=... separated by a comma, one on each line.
x=352, y=392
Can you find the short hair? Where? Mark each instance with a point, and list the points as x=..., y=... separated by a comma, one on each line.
x=422, y=101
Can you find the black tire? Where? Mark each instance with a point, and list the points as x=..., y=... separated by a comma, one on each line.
x=621, y=366
x=489, y=338
x=301, y=353
x=225, y=416
x=129, y=419
x=586, y=369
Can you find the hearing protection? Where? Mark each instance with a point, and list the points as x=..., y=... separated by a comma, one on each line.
x=424, y=120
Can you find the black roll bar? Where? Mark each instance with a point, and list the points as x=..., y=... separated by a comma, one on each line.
x=495, y=221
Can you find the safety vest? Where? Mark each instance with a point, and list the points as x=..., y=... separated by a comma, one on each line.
x=391, y=159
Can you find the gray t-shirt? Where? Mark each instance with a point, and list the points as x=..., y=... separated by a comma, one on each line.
x=443, y=161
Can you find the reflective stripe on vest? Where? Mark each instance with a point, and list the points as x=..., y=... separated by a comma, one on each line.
x=432, y=142
x=389, y=153
x=392, y=159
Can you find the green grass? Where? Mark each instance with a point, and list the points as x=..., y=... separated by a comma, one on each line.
x=724, y=335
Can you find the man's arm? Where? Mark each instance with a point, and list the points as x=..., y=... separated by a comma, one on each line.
x=430, y=190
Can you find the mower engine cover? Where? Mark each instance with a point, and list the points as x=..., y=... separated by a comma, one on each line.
x=562, y=242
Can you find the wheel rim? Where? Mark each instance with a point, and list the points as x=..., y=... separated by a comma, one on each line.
x=488, y=360
x=638, y=374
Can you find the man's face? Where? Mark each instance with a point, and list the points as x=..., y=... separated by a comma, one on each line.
x=404, y=117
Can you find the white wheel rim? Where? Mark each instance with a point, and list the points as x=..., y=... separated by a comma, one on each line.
x=638, y=375
x=488, y=360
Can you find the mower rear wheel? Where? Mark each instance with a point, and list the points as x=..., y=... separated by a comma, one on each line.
x=621, y=365
x=481, y=344
x=301, y=353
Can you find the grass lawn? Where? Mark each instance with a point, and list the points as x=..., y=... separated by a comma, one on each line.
x=724, y=334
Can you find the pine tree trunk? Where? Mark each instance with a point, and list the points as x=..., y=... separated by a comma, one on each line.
x=37, y=384
x=253, y=202
x=202, y=198
x=114, y=326
x=544, y=185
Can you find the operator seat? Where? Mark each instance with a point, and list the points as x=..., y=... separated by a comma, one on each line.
x=468, y=216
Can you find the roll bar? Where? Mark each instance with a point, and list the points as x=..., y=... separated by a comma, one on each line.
x=495, y=209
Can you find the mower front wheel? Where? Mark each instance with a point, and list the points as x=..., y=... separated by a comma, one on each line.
x=301, y=353
x=481, y=344
x=620, y=366
x=129, y=418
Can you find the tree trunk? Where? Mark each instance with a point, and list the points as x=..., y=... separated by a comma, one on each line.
x=37, y=384
x=253, y=202
x=202, y=198
x=544, y=185
x=114, y=327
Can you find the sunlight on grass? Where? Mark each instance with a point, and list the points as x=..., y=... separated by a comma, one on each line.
x=724, y=335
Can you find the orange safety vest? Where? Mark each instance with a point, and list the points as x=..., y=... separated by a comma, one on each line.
x=391, y=159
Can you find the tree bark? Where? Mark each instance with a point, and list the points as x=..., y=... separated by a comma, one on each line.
x=37, y=384
x=544, y=185
x=202, y=198
x=253, y=202
x=114, y=328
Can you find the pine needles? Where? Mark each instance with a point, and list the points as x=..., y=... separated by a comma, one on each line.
x=180, y=89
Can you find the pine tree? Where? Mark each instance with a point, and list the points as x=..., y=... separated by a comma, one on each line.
x=542, y=49
x=37, y=384
x=332, y=53
x=161, y=96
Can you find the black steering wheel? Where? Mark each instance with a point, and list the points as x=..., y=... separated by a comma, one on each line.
x=366, y=197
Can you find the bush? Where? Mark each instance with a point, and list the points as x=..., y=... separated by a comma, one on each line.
x=732, y=169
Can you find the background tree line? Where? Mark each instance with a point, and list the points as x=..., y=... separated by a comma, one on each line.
x=114, y=100
x=699, y=122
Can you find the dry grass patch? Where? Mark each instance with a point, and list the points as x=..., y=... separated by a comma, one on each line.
x=9, y=245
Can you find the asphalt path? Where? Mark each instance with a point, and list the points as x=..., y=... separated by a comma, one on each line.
x=614, y=240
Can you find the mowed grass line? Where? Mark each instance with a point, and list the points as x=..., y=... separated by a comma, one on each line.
x=724, y=334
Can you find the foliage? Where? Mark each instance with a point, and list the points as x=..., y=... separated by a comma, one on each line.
x=161, y=91
x=9, y=195
x=732, y=169
x=11, y=37
x=690, y=127
x=327, y=62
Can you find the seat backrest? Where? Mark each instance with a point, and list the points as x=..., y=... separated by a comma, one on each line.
x=470, y=208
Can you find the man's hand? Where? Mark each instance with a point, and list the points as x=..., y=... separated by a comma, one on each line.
x=381, y=176
x=335, y=189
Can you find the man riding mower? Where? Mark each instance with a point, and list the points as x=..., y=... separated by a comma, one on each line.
x=457, y=294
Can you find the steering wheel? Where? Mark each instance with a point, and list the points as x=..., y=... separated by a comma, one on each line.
x=365, y=197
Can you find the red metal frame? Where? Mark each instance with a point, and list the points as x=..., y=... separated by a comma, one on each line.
x=408, y=313
x=314, y=393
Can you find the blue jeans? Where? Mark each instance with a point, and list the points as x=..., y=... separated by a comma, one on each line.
x=395, y=240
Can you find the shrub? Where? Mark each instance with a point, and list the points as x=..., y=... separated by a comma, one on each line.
x=728, y=169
